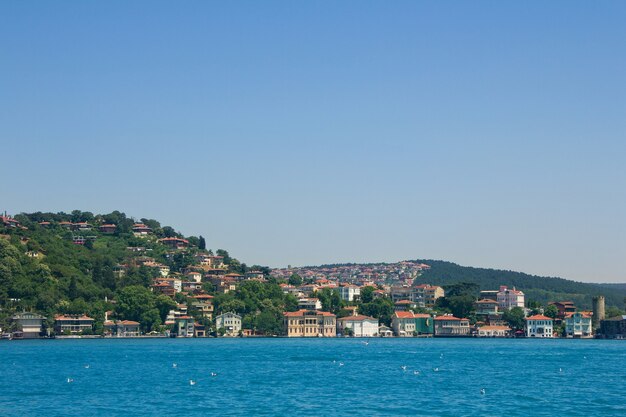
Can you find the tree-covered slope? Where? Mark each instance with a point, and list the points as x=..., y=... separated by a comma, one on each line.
x=43, y=269
x=541, y=289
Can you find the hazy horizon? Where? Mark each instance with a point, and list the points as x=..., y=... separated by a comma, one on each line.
x=486, y=134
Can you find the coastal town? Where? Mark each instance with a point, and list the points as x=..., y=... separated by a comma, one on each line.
x=199, y=293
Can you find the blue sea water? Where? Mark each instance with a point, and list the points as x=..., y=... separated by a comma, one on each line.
x=298, y=377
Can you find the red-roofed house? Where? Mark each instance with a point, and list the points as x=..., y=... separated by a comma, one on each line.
x=204, y=303
x=108, y=228
x=449, y=326
x=72, y=324
x=140, y=229
x=539, y=326
x=578, y=325
x=310, y=323
x=408, y=323
x=9, y=221
x=175, y=242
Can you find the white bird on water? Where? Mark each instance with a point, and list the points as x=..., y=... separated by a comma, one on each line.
x=174, y=365
x=560, y=369
x=403, y=367
x=70, y=380
x=340, y=363
x=416, y=372
x=87, y=366
x=482, y=391
x=192, y=382
x=213, y=374
x=366, y=343
x=435, y=369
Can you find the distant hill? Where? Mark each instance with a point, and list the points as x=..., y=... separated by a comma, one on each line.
x=614, y=286
x=542, y=289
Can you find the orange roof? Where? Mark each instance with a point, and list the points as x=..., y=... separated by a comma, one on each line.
x=356, y=318
x=300, y=313
x=410, y=315
x=538, y=317
x=130, y=323
x=405, y=302
x=203, y=296
x=583, y=314
x=442, y=318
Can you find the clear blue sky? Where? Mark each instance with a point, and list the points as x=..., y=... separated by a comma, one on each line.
x=486, y=133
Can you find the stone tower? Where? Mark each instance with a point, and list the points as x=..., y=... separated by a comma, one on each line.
x=598, y=311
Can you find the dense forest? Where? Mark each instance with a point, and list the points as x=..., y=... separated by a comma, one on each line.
x=536, y=288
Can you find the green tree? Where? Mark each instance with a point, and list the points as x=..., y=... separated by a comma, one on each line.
x=269, y=322
x=295, y=280
x=515, y=318
x=201, y=243
x=139, y=304
x=367, y=294
x=380, y=308
x=551, y=311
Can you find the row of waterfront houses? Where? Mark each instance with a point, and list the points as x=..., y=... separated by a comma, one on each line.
x=316, y=323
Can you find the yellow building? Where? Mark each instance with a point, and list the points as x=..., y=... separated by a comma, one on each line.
x=310, y=323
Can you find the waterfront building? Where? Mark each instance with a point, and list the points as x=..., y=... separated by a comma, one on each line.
x=309, y=323
x=184, y=326
x=408, y=323
x=73, y=324
x=578, y=325
x=384, y=331
x=230, y=322
x=450, y=326
x=30, y=324
x=539, y=326
x=360, y=326
x=494, y=331
x=613, y=328
x=509, y=298
x=122, y=328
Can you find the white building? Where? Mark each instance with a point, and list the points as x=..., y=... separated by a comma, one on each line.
x=578, y=325
x=494, y=331
x=309, y=304
x=539, y=326
x=349, y=292
x=361, y=326
x=230, y=322
x=507, y=298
